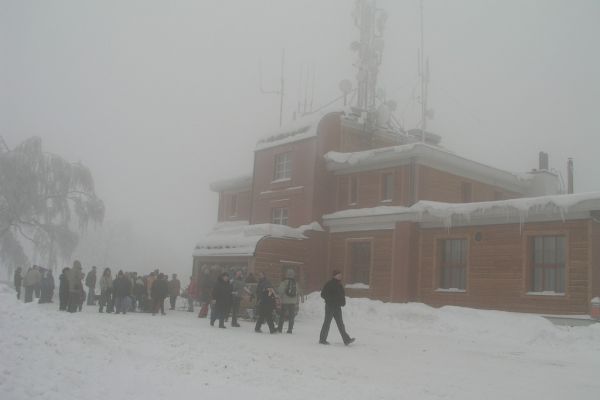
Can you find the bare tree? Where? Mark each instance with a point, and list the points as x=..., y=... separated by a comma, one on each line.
x=45, y=200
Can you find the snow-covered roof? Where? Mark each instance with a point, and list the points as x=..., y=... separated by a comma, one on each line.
x=242, y=182
x=240, y=239
x=557, y=207
x=434, y=156
x=303, y=128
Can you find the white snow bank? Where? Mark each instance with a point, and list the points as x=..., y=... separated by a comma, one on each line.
x=403, y=351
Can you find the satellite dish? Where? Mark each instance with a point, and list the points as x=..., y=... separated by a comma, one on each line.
x=345, y=86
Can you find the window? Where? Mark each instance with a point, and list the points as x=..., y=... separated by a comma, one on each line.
x=360, y=262
x=353, y=195
x=466, y=189
x=453, y=266
x=387, y=186
x=234, y=199
x=548, y=271
x=283, y=166
x=279, y=216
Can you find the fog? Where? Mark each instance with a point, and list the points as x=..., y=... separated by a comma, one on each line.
x=159, y=98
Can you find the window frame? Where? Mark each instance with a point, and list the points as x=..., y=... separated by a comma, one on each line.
x=438, y=274
x=466, y=192
x=234, y=205
x=353, y=190
x=282, y=166
x=387, y=193
x=275, y=218
x=531, y=287
x=348, y=264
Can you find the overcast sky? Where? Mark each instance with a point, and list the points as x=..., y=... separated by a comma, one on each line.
x=159, y=98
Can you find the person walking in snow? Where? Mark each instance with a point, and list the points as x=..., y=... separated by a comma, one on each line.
x=139, y=291
x=192, y=292
x=267, y=301
x=222, y=294
x=18, y=280
x=106, y=286
x=90, y=282
x=239, y=290
x=63, y=290
x=335, y=298
x=122, y=291
x=74, y=277
x=206, y=286
x=290, y=294
x=174, y=290
x=47, y=287
x=159, y=292
x=31, y=281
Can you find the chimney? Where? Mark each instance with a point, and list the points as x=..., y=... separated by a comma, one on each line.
x=570, y=176
x=543, y=161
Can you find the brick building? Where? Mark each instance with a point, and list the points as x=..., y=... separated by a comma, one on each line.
x=406, y=220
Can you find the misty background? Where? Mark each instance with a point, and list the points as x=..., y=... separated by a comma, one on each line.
x=160, y=98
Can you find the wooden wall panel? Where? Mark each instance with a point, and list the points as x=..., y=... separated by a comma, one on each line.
x=498, y=268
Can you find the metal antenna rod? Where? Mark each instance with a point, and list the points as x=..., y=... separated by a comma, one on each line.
x=423, y=78
x=281, y=91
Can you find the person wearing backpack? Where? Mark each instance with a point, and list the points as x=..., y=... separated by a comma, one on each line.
x=290, y=293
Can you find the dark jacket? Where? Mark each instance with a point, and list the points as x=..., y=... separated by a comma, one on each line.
x=267, y=302
x=122, y=287
x=261, y=286
x=222, y=293
x=18, y=278
x=63, y=287
x=160, y=289
x=90, y=279
x=333, y=293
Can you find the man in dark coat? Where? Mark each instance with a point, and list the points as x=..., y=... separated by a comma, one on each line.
x=174, y=290
x=222, y=296
x=158, y=293
x=47, y=287
x=90, y=282
x=335, y=298
x=63, y=290
x=18, y=280
x=122, y=291
x=267, y=300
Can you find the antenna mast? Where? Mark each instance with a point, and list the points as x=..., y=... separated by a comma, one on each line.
x=370, y=21
x=424, y=75
x=281, y=91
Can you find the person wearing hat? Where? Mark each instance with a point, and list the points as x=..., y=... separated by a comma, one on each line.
x=290, y=294
x=222, y=297
x=158, y=293
x=335, y=298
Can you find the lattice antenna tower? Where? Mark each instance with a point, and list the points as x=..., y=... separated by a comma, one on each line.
x=370, y=22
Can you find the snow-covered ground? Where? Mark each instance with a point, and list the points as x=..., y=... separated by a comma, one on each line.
x=403, y=351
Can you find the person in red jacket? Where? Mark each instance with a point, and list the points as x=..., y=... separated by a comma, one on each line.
x=192, y=293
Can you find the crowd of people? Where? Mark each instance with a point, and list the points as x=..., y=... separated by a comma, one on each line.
x=219, y=293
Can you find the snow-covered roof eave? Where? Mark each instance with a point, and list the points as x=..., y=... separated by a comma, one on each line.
x=239, y=239
x=544, y=208
x=428, y=155
x=239, y=183
x=305, y=127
